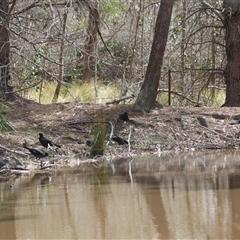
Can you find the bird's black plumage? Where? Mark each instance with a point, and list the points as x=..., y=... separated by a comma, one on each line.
x=89, y=143
x=36, y=152
x=124, y=117
x=46, y=142
x=234, y=123
x=3, y=162
x=119, y=140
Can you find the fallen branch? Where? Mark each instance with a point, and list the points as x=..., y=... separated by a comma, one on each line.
x=118, y=100
x=14, y=151
x=10, y=171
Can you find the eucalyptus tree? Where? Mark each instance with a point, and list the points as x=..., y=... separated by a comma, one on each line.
x=231, y=21
x=220, y=17
x=147, y=95
x=229, y=14
x=5, y=14
x=90, y=48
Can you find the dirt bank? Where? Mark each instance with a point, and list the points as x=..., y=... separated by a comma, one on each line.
x=167, y=129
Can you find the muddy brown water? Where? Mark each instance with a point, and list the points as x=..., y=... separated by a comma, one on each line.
x=187, y=196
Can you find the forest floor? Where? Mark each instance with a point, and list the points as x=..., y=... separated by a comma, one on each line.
x=163, y=130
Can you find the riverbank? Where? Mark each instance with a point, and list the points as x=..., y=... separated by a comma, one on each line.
x=163, y=130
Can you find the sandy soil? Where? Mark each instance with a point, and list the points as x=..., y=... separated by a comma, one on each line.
x=167, y=129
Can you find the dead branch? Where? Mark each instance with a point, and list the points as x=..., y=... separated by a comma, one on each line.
x=14, y=151
x=129, y=137
x=178, y=94
x=215, y=11
x=217, y=133
x=118, y=100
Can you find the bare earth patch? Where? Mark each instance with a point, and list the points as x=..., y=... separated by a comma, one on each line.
x=168, y=129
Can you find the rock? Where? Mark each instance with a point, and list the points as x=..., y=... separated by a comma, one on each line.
x=203, y=121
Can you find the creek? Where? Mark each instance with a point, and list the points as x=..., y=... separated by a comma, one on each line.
x=186, y=196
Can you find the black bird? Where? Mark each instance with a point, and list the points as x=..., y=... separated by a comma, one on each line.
x=124, y=117
x=89, y=143
x=45, y=142
x=35, y=152
x=3, y=162
x=119, y=140
x=237, y=122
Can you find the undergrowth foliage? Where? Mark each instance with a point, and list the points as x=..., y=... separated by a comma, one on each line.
x=5, y=124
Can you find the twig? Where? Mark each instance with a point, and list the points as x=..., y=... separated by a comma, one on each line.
x=129, y=137
x=130, y=171
x=226, y=138
x=178, y=94
x=215, y=11
x=7, y=18
x=111, y=133
x=174, y=133
x=13, y=151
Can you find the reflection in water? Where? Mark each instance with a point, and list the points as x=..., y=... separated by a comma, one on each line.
x=172, y=197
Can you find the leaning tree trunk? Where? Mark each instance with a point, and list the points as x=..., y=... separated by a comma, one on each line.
x=231, y=15
x=148, y=93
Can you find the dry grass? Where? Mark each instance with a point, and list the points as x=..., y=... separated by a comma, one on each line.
x=86, y=92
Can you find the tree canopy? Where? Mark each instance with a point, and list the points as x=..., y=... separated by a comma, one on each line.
x=111, y=42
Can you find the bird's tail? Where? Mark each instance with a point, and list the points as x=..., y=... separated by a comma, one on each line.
x=57, y=145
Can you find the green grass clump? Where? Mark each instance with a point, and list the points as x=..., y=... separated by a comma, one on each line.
x=5, y=123
x=79, y=93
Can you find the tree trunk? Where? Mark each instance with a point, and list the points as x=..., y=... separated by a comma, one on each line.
x=5, y=50
x=183, y=45
x=90, y=47
x=148, y=93
x=231, y=13
x=61, y=61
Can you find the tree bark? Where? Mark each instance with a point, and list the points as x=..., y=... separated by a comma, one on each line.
x=91, y=42
x=231, y=13
x=148, y=93
x=61, y=61
x=4, y=49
